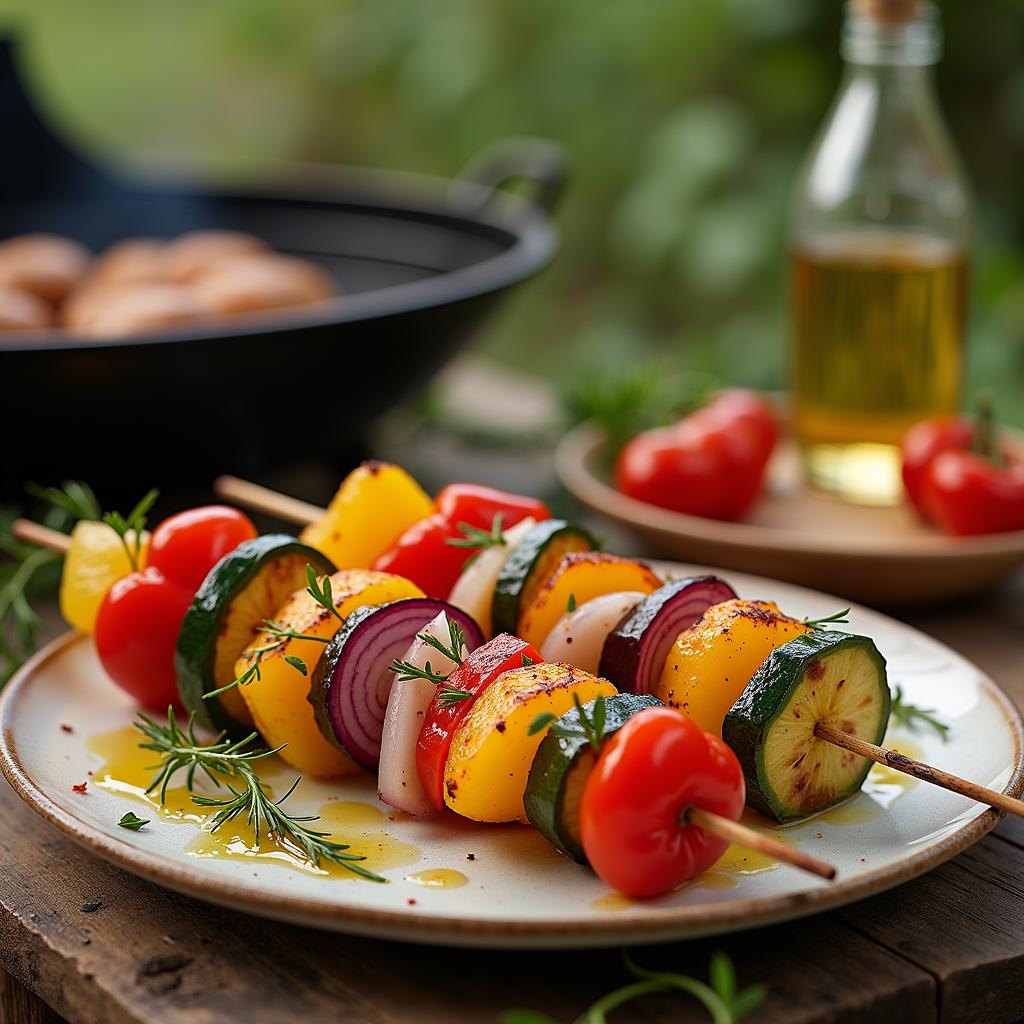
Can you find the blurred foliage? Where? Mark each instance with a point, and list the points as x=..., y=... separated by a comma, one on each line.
x=686, y=120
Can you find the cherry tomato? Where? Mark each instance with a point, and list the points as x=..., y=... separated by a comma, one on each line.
x=186, y=546
x=709, y=464
x=632, y=815
x=922, y=443
x=478, y=505
x=474, y=675
x=136, y=635
x=964, y=494
x=423, y=553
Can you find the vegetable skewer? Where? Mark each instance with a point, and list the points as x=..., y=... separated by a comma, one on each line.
x=919, y=770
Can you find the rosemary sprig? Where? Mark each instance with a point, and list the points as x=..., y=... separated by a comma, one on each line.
x=319, y=589
x=455, y=651
x=181, y=750
x=406, y=672
x=910, y=715
x=474, y=537
x=721, y=999
x=134, y=523
x=590, y=727
x=570, y=605
x=836, y=618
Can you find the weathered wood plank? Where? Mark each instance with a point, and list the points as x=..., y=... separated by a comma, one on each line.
x=101, y=946
x=20, y=1006
x=963, y=924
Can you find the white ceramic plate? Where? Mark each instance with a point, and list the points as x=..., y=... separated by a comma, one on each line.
x=518, y=891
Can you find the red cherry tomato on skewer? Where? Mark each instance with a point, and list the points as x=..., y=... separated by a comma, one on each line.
x=136, y=635
x=186, y=546
x=632, y=815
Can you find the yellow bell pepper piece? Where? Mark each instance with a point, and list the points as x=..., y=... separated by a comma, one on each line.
x=577, y=578
x=712, y=662
x=95, y=562
x=492, y=749
x=279, y=699
x=373, y=507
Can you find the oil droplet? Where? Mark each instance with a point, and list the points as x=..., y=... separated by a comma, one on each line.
x=350, y=814
x=612, y=901
x=438, y=878
x=853, y=812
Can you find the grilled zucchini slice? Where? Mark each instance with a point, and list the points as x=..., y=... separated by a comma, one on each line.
x=835, y=678
x=245, y=587
x=562, y=765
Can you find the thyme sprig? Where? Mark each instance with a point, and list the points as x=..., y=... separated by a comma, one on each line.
x=129, y=528
x=589, y=727
x=474, y=537
x=319, y=588
x=225, y=761
x=721, y=998
x=911, y=715
x=406, y=671
x=449, y=696
x=281, y=635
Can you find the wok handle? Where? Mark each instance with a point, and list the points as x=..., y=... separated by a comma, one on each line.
x=543, y=164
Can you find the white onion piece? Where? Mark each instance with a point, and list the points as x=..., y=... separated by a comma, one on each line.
x=579, y=636
x=474, y=589
x=398, y=782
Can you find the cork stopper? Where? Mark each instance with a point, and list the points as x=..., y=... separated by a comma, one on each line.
x=888, y=12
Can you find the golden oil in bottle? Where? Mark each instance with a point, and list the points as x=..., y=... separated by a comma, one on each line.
x=878, y=327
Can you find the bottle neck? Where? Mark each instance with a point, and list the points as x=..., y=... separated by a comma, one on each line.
x=914, y=43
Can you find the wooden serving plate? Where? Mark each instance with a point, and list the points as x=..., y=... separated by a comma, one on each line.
x=878, y=556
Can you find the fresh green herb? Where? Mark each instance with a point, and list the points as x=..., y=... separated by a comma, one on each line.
x=449, y=696
x=627, y=400
x=910, y=715
x=406, y=672
x=836, y=618
x=571, y=603
x=225, y=761
x=133, y=822
x=74, y=497
x=528, y=661
x=320, y=590
x=455, y=651
x=724, y=1004
x=34, y=569
x=280, y=636
x=129, y=528
x=591, y=728
x=474, y=537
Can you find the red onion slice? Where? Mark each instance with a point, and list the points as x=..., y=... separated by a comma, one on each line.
x=352, y=682
x=635, y=651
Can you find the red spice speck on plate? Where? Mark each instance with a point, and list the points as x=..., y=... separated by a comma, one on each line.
x=411, y=902
x=80, y=787
x=66, y=728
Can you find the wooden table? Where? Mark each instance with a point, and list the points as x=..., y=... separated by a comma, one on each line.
x=98, y=945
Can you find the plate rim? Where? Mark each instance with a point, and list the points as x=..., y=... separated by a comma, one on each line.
x=578, y=445
x=652, y=925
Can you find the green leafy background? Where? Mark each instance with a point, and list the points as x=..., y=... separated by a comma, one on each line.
x=686, y=120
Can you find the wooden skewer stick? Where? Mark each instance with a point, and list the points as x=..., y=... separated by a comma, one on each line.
x=924, y=772
x=741, y=835
x=263, y=499
x=41, y=536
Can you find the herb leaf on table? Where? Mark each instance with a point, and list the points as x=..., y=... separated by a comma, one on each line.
x=911, y=715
